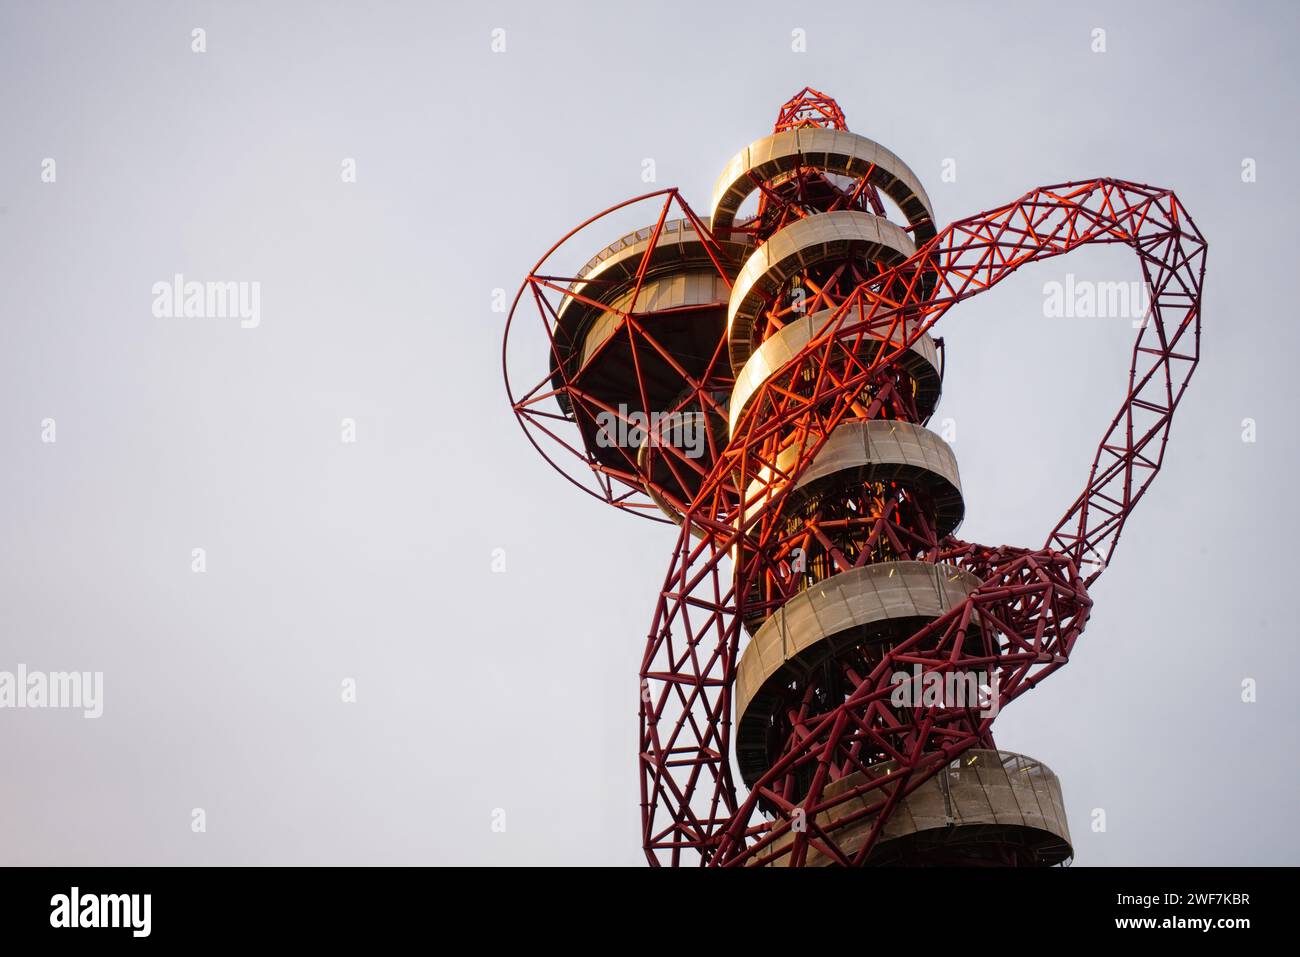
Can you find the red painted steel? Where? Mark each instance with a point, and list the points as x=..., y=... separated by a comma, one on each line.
x=732, y=559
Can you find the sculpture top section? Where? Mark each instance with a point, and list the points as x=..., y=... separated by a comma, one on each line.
x=810, y=107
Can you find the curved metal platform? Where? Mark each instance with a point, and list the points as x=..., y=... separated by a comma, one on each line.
x=921, y=361
x=829, y=150
x=800, y=634
x=875, y=450
x=606, y=278
x=790, y=251
x=678, y=247
x=684, y=290
x=991, y=808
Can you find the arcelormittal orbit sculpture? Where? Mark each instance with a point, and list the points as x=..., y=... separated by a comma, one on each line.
x=762, y=376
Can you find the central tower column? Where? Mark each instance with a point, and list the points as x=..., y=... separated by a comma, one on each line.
x=847, y=564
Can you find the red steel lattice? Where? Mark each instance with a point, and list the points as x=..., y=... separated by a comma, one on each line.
x=842, y=766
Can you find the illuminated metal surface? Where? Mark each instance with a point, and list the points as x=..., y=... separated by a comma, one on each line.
x=921, y=361
x=804, y=243
x=830, y=150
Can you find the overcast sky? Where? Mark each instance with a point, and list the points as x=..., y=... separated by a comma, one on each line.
x=371, y=561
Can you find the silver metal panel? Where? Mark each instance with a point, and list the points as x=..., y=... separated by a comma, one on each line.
x=883, y=449
x=860, y=596
x=698, y=288
x=678, y=248
x=922, y=360
x=983, y=798
x=804, y=243
x=833, y=151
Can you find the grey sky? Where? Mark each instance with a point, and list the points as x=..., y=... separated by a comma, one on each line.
x=371, y=560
